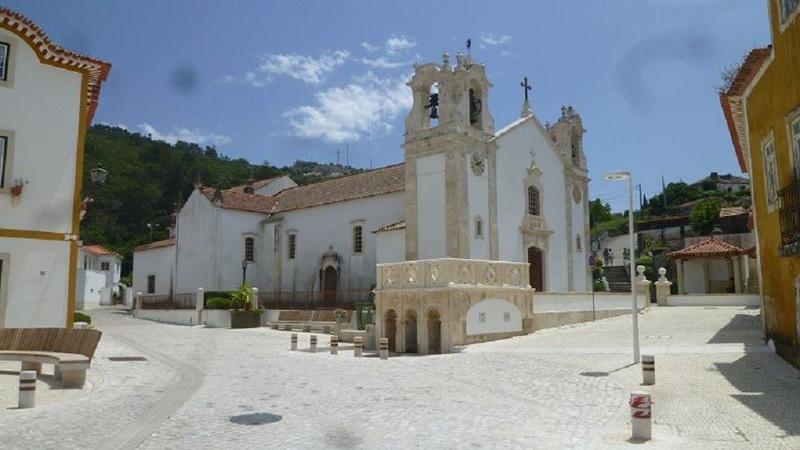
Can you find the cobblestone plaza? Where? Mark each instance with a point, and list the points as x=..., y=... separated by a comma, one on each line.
x=717, y=387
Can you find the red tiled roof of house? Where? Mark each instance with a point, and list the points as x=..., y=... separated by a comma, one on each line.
x=385, y=180
x=733, y=103
x=707, y=248
x=234, y=198
x=732, y=211
x=95, y=69
x=392, y=227
x=99, y=250
x=154, y=245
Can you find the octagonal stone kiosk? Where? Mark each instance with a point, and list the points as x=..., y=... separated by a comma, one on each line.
x=432, y=306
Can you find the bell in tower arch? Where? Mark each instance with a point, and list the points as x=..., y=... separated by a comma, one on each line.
x=433, y=105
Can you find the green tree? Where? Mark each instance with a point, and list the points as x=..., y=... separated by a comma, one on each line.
x=599, y=212
x=705, y=216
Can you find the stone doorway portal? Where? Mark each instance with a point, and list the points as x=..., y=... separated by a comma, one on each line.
x=434, y=332
x=411, y=331
x=536, y=270
x=331, y=278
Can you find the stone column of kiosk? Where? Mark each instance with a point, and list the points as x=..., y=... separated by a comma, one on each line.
x=662, y=287
x=642, y=286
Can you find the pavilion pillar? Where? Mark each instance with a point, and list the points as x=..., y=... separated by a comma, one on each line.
x=737, y=274
x=681, y=282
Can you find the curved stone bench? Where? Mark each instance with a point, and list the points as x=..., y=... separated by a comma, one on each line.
x=69, y=350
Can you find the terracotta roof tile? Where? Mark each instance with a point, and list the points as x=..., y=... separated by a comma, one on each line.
x=392, y=227
x=732, y=211
x=256, y=185
x=96, y=69
x=240, y=201
x=154, y=245
x=381, y=181
x=733, y=104
x=99, y=250
x=707, y=248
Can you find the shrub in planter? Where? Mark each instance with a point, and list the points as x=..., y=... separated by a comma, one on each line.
x=218, y=303
x=81, y=317
x=245, y=319
x=242, y=298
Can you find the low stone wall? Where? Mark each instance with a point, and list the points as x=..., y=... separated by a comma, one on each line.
x=714, y=300
x=557, y=319
x=544, y=302
x=215, y=318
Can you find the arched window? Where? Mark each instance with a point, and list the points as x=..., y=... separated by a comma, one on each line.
x=533, y=201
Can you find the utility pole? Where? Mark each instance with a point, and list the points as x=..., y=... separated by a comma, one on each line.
x=664, y=192
x=639, y=186
x=347, y=156
x=338, y=152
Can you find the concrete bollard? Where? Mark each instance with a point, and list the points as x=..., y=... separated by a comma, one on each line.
x=276, y=326
x=199, y=304
x=294, y=341
x=334, y=344
x=358, y=345
x=27, y=389
x=254, y=300
x=383, y=348
x=641, y=416
x=648, y=369
x=313, y=344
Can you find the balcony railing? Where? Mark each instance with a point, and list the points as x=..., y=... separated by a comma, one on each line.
x=178, y=301
x=790, y=218
x=338, y=299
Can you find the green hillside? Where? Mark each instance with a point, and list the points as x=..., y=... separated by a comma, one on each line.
x=148, y=179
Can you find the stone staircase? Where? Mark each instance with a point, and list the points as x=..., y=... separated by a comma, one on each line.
x=618, y=278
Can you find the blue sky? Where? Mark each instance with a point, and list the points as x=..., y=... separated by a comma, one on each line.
x=281, y=81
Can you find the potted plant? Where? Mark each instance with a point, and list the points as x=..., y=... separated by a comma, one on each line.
x=242, y=313
x=16, y=187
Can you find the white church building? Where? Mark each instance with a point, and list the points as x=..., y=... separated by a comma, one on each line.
x=464, y=190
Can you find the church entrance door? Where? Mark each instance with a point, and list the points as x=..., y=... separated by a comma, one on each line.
x=536, y=271
x=411, y=331
x=331, y=278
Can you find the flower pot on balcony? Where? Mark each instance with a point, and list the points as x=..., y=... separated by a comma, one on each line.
x=16, y=191
x=245, y=319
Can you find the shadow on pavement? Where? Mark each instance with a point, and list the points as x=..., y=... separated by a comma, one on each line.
x=768, y=387
x=743, y=328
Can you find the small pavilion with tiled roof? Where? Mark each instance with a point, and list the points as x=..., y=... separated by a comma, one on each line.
x=711, y=266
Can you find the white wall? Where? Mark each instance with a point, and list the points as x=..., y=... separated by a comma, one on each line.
x=493, y=316
x=158, y=261
x=88, y=285
x=431, y=213
x=694, y=277
x=41, y=108
x=714, y=300
x=197, y=245
x=478, y=200
x=390, y=246
x=37, y=283
x=513, y=160
x=331, y=225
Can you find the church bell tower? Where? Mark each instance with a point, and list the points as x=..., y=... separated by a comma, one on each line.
x=450, y=163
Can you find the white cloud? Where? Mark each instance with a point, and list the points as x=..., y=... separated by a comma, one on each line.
x=367, y=105
x=397, y=44
x=492, y=39
x=184, y=134
x=369, y=47
x=381, y=63
x=309, y=69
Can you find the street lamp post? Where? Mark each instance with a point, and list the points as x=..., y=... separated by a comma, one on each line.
x=244, y=271
x=620, y=176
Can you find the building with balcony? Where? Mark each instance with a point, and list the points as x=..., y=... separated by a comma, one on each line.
x=762, y=110
x=48, y=97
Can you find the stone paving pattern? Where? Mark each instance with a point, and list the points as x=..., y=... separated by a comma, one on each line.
x=717, y=387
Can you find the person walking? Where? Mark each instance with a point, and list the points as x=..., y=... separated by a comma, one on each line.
x=611, y=257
